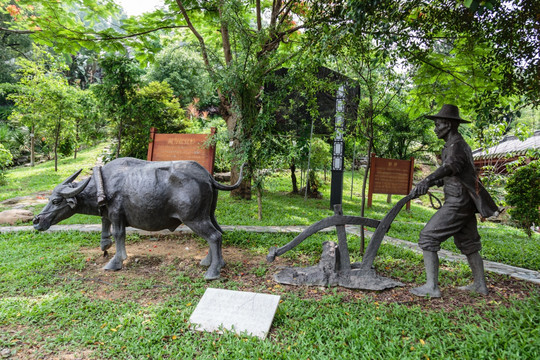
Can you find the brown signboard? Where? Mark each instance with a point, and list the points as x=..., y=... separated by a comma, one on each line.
x=168, y=147
x=390, y=176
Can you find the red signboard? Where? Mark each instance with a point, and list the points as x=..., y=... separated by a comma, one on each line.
x=390, y=176
x=168, y=147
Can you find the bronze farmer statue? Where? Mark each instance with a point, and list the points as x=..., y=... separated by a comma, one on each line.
x=464, y=197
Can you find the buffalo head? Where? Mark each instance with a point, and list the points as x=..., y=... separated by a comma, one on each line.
x=61, y=203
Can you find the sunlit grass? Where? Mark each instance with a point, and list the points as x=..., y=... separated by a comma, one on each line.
x=26, y=180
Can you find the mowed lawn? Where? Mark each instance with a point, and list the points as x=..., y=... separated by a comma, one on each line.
x=56, y=302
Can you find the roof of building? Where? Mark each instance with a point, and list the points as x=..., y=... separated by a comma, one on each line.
x=509, y=145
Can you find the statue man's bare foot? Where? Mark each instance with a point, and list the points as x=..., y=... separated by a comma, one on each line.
x=426, y=290
x=477, y=288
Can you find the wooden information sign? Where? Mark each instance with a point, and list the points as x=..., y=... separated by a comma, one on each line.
x=390, y=176
x=169, y=147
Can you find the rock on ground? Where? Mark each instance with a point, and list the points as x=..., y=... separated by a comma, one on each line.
x=13, y=215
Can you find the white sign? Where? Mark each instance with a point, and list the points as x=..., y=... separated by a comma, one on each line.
x=238, y=311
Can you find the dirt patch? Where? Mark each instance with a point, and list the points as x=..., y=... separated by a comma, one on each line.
x=149, y=275
x=41, y=197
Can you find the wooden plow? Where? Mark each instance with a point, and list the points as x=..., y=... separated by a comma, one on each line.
x=335, y=266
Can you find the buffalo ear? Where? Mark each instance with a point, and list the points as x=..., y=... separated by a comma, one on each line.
x=72, y=202
x=72, y=177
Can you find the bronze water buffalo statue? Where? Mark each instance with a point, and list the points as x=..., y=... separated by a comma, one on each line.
x=146, y=195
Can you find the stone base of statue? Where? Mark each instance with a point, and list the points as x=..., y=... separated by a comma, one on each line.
x=335, y=267
x=328, y=273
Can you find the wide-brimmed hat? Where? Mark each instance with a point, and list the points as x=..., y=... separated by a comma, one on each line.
x=448, y=112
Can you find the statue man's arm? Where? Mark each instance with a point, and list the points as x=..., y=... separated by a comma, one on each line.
x=455, y=161
x=434, y=178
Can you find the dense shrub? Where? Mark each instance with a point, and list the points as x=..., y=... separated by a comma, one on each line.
x=152, y=106
x=5, y=160
x=523, y=195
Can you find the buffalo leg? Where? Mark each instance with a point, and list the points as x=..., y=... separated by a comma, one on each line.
x=207, y=231
x=208, y=259
x=106, y=241
x=213, y=211
x=119, y=233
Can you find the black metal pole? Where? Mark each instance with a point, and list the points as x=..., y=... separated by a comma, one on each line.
x=336, y=185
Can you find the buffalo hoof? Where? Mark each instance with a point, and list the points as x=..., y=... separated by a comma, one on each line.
x=113, y=265
x=105, y=244
x=211, y=275
x=207, y=261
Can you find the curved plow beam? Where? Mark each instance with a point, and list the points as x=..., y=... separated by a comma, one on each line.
x=381, y=230
x=336, y=220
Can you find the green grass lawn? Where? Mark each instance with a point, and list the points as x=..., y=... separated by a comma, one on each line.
x=24, y=180
x=55, y=302
x=54, y=306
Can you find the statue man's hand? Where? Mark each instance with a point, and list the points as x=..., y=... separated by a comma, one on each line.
x=421, y=188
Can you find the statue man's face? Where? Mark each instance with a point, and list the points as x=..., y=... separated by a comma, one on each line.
x=442, y=128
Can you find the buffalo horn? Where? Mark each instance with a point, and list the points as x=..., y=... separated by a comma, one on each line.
x=72, y=192
x=71, y=178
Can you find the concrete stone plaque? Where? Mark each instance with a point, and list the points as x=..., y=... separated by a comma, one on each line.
x=238, y=311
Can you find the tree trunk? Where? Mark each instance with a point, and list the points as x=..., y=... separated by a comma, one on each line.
x=293, y=179
x=353, y=168
x=259, y=202
x=76, y=141
x=231, y=119
x=363, y=206
x=119, y=138
x=244, y=191
x=56, y=138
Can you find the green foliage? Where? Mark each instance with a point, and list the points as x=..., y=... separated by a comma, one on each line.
x=320, y=157
x=465, y=53
x=523, y=194
x=152, y=106
x=397, y=136
x=43, y=100
x=89, y=122
x=321, y=154
x=12, y=46
x=183, y=69
x=5, y=160
x=117, y=89
x=14, y=138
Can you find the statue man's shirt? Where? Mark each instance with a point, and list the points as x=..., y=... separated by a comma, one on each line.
x=464, y=196
x=457, y=155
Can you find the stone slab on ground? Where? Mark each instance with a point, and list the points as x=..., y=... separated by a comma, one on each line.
x=238, y=311
x=14, y=215
x=20, y=202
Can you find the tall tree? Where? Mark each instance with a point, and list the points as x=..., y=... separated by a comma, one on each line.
x=152, y=105
x=122, y=76
x=251, y=40
x=473, y=53
x=250, y=54
x=44, y=102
